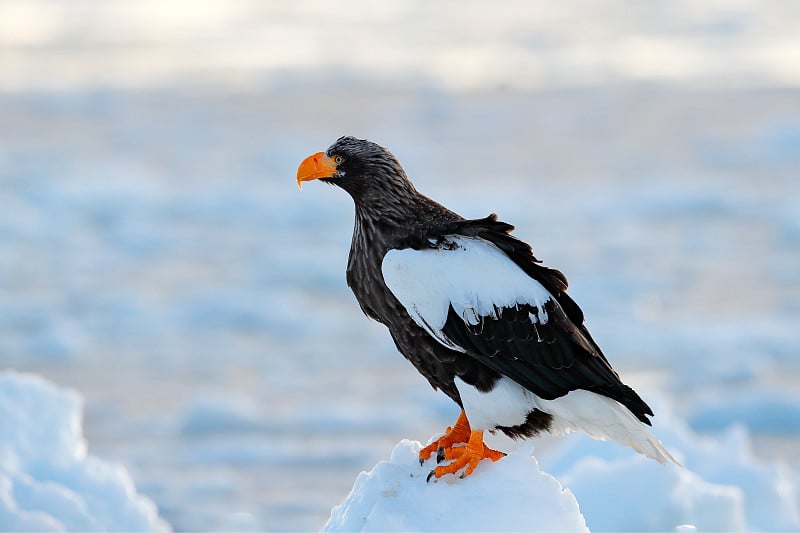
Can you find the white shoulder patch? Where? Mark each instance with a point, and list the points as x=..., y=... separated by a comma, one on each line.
x=475, y=277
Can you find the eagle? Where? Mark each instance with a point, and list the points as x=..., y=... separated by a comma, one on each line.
x=478, y=315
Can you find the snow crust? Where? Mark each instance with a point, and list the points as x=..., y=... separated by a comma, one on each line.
x=48, y=482
x=510, y=495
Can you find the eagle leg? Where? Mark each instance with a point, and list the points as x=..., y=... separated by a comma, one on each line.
x=466, y=456
x=458, y=434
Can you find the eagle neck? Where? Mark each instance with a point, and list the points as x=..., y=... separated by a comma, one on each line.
x=371, y=237
x=371, y=241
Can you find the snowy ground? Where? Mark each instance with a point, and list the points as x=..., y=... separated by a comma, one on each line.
x=156, y=256
x=500, y=497
x=722, y=487
x=47, y=480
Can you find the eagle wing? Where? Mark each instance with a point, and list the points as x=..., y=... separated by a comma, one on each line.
x=482, y=293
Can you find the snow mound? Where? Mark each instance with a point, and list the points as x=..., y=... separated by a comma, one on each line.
x=650, y=497
x=509, y=495
x=47, y=480
x=722, y=487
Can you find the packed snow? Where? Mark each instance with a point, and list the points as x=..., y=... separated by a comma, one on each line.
x=157, y=257
x=48, y=481
x=509, y=495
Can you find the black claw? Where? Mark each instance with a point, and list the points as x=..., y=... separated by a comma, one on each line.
x=430, y=475
x=421, y=461
x=439, y=455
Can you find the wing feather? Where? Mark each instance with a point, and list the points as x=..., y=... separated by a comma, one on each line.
x=472, y=296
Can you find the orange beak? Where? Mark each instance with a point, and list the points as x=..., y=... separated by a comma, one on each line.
x=314, y=167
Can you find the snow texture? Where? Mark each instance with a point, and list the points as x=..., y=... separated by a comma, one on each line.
x=509, y=495
x=47, y=480
x=722, y=488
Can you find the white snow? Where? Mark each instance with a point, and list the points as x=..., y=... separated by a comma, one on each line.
x=48, y=482
x=722, y=488
x=471, y=47
x=509, y=495
x=652, y=498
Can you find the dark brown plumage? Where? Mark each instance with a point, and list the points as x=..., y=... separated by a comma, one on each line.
x=543, y=347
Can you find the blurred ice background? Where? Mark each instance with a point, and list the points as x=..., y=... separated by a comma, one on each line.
x=156, y=255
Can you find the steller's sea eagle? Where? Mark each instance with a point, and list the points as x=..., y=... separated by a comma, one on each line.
x=477, y=314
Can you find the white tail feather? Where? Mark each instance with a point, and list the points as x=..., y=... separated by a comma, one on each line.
x=603, y=418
